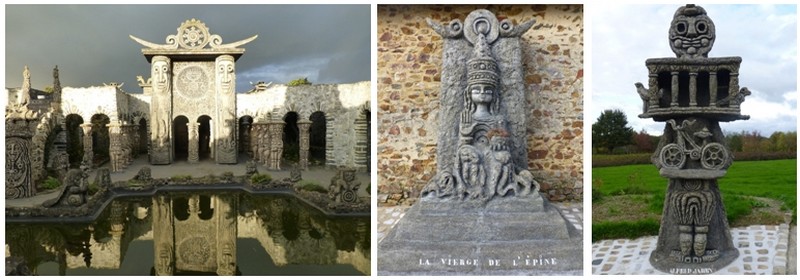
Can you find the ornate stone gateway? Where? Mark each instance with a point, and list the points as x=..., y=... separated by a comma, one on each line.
x=193, y=75
x=482, y=212
x=692, y=94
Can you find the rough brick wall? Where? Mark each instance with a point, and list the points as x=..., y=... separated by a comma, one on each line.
x=409, y=55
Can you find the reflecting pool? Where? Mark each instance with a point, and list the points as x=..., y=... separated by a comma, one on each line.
x=196, y=233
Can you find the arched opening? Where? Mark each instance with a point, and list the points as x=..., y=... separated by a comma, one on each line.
x=245, y=127
x=143, y=137
x=204, y=133
x=101, y=140
x=206, y=208
x=180, y=136
x=291, y=138
x=317, y=134
x=74, y=140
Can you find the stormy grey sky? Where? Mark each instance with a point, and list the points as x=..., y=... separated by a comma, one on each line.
x=90, y=44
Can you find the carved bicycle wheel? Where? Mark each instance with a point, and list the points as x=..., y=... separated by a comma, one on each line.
x=672, y=156
x=714, y=156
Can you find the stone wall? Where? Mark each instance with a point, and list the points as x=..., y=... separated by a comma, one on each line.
x=343, y=104
x=409, y=57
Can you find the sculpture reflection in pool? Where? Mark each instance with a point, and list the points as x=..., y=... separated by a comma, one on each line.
x=195, y=233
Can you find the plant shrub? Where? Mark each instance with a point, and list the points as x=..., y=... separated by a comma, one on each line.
x=258, y=179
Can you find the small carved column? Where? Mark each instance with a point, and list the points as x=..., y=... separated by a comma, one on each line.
x=733, y=88
x=265, y=145
x=712, y=88
x=88, y=153
x=654, y=91
x=136, y=141
x=194, y=142
x=304, y=126
x=693, y=89
x=115, y=148
x=276, y=144
x=674, y=96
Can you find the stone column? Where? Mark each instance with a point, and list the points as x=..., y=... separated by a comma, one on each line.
x=115, y=147
x=692, y=89
x=712, y=88
x=276, y=144
x=675, y=91
x=733, y=88
x=653, y=86
x=194, y=142
x=304, y=126
x=160, y=111
x=88, y=153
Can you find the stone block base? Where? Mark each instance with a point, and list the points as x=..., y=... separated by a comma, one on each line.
x=504, y=237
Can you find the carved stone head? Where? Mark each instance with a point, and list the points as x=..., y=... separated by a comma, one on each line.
x=481, y=96
x=225, y=73
x=161, y=74
x=691, y=33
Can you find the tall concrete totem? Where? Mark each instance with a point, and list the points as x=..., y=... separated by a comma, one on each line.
x=692, y=93
x=482, y=212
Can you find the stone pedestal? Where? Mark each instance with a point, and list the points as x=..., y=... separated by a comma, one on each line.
x=524, y=236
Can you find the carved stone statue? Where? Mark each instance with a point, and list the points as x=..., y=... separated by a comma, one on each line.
x=74, y=190
x=24, y=97
x=692, y=154
x=482, y=194
x=483, y=168
x=251, y=168
x=344, y=186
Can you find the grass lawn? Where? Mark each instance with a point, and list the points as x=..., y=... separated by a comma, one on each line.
x=638, y=189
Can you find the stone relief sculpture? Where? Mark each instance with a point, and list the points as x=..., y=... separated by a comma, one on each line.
x=694, y=232
x=21, y=125
x=483, y=166
x=74, y=190
x=482, y=194
x=160, y=147
x=344, y=186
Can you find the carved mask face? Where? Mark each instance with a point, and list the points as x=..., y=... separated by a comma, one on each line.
x=482, y=93
x=691, y=33
x=349, y=176
x=160, y=75
x=225, y=72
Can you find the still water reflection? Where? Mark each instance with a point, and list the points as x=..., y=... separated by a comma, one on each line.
x=211, y=233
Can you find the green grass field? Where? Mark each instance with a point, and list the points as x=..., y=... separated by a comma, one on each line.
x=774, y=179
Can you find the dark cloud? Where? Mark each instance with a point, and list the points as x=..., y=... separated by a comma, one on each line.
x=90, y=44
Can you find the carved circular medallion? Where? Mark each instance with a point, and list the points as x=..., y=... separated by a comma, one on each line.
x=349, y=196
x=192, y=82
x=481, y=22
x=193, y=34
x=194, y=250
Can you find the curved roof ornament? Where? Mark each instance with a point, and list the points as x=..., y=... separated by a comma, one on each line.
x=194, y=35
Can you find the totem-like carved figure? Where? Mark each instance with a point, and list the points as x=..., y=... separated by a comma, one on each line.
x=161, y=74
x=226, y=76
x=484, y=167
x=344, y=186
x=691, y=93
x=692, y=33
